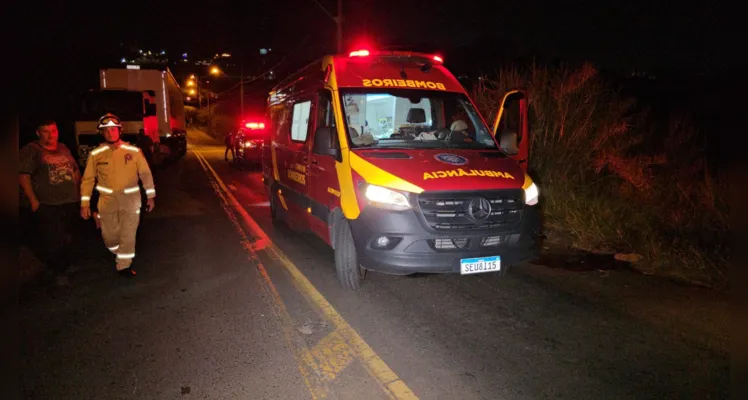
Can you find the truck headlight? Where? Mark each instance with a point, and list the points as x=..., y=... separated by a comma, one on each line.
x=532, y=193
x=386, y=198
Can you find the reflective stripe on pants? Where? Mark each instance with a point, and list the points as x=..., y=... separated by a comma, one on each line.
x=118, y=228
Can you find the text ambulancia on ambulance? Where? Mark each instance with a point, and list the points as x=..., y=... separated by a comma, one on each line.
x=385, y=157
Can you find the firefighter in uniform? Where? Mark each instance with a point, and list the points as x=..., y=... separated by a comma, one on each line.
x=114, y=168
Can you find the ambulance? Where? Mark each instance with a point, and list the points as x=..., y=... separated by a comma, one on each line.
x=383, y=155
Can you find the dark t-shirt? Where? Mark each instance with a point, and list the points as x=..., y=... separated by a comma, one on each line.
x=54, y=173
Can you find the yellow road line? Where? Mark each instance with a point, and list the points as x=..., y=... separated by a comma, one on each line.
x=377, y=368
x=310, y=371
x=333, y=355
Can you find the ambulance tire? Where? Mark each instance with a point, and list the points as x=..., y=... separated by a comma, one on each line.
x=275, y=214
x=347, y=268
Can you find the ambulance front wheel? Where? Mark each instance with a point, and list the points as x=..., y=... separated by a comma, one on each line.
x=348, y=270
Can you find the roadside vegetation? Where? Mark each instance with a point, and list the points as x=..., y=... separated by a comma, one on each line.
x=217, y=123
x=613, y=181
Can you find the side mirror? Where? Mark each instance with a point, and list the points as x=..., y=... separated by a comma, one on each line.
x=324, y=144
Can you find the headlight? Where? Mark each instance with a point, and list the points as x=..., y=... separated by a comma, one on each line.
x=386, y=198
x=249, y=144
x=531, y=194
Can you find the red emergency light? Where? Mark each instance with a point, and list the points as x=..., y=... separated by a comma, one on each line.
x=255, y=125
x=360, y=53
x=366, y=53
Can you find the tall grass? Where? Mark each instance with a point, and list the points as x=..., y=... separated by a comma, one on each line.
x=612, y=182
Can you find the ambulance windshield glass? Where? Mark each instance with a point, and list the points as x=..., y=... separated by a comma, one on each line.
x=418, y=119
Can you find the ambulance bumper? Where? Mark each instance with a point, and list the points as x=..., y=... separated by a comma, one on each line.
x=414, y=248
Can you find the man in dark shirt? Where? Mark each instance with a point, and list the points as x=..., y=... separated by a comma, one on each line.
x=229, y=141
x=49, y=178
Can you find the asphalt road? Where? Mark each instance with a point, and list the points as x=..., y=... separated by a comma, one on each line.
x=226, y=305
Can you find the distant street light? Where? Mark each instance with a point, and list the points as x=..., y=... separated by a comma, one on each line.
x=216, y=71
x=190, y=83
x=192, y=92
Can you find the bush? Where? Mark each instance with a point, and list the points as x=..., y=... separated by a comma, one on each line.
x=190, y=114
x=221, y=125
x=215, y=122
x=610, y=181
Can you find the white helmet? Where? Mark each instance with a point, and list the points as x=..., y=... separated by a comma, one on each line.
x=109, y=120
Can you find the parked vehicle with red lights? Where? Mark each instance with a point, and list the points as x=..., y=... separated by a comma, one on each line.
x=384, y=156
x=248, y=143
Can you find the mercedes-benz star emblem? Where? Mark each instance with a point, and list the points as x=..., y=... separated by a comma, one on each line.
x=479, y=209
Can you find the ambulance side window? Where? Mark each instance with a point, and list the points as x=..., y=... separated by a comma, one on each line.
x=300, y=120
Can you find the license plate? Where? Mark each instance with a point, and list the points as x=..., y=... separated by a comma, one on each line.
x=480, y=265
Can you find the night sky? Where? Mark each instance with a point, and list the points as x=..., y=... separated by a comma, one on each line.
x=75, y=39
x=614, y=33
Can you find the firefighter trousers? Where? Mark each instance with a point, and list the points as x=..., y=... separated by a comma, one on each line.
x=118, y=228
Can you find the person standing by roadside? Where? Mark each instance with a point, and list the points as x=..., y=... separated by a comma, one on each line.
x=230, y=139
x=49, y=178
x=114, y=168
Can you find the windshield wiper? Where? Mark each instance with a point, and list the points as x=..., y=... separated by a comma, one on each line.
x=386, y=148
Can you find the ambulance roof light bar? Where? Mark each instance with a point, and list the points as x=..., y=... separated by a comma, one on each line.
x=366, y=53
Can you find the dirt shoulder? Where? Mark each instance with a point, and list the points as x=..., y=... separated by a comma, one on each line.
x=696, y=314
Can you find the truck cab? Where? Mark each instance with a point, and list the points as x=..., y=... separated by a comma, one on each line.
x=384, y=156
x=127, y=105
x=162, y=98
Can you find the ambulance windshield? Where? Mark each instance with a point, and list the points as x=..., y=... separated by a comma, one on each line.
x=418, y=119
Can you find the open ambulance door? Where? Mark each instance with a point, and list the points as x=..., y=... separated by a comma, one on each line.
x=511, y=126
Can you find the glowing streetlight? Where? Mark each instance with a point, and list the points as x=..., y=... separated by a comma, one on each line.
x=214, y=70
x=190, y=83
x=192, y=92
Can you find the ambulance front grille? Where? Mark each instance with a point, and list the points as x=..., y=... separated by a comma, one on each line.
x=457, y=244
x=450, y=211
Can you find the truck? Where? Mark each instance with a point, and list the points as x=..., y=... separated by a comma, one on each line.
x=165, y=127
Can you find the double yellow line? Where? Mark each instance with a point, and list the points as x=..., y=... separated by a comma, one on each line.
x=392, y=385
